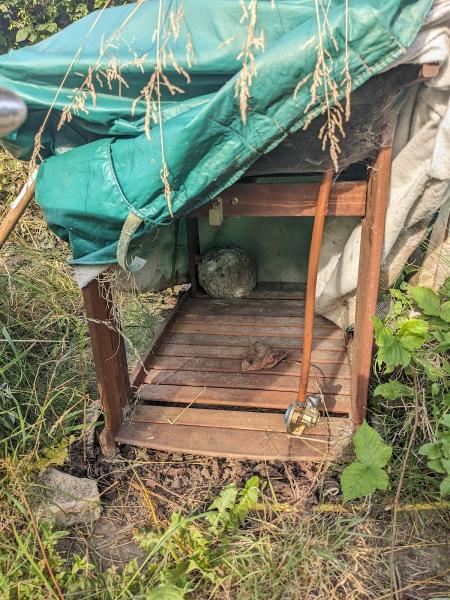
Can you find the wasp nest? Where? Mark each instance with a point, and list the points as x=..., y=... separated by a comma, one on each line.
x=227, y=273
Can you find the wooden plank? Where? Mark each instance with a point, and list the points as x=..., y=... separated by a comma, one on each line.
x=243, y=340
x=318, y=356
x=289, y=200
x=232, y=419
x=204, y=301
x=245, y=310
x=253, y=381
x=255, y=321
x=218, y=328
x=287, y=367
x=138, y=375
x=280, y=291
x=234, y=397
x=109, y=358
x=368, y=280
x=230, y=443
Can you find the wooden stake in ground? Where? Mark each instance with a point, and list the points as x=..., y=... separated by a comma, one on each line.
x=17, y=208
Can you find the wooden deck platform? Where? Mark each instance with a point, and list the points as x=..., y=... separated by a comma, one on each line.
x=194, y=398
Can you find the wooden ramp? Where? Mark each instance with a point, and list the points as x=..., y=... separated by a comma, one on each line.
x=195, y=399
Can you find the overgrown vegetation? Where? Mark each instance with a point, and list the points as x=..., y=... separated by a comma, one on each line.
x=25, y=22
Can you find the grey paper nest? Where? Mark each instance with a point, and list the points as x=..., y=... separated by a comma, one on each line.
x=227, y=272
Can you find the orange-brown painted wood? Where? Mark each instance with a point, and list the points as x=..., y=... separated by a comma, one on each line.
x=264, y=330
x=109, y=358
x=138, y=374
x=287, y=368
x=289, y=200
x=257, y=421
x=247, y=340
x=319, y=357
x=254, y=381
x=230, y=443
x=313, y=267
x=372, y=235
x=234, y=397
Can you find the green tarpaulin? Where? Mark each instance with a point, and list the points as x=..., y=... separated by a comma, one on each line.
x=101, y=166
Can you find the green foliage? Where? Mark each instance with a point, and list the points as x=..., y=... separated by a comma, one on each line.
x=367, y=473
x=24, y=22
x=438, y=454
x=193, y=546
x=392, y=390
x=413, y=344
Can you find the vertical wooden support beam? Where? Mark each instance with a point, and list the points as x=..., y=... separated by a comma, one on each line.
x=311, y=283
x=193, y=243
x=109, y=357
x=372, y=235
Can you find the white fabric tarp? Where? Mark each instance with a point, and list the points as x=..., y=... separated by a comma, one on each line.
x=420, y=179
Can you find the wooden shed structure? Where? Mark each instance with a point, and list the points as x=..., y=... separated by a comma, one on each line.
x=190, y=395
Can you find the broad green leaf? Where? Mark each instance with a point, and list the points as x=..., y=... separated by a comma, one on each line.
x=176, y=576
x=435, y=389
x=394, y=355
x=165, y=592
x=436, y=465
x=384, y=336
x=359, y=480
x=393, y=390
x=444, y=488
x=445, y=288
x=22, y=34
x=413, y=334
x=221, y=506
x=55, y=455
x=370, y=448
x=426, y=299
x=446, y=464
x=248, y=499
x=431, y=451
x=445, y=311
x=431, y=371
x=446, y=420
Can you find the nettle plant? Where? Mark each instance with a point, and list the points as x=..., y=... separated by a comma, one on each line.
x=413, y=343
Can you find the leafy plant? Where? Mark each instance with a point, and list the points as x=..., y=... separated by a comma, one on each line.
x=438, y=454
x=367, y=474
x=413, y=343
x=25, y=22
x=197, y=544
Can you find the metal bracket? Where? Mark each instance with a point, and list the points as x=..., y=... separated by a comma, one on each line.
x=215, y=214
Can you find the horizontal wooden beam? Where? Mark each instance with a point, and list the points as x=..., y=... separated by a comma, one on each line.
x=347, y=199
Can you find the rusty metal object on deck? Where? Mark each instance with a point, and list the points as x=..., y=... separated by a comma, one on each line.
x=260, y=356
x=300, y=416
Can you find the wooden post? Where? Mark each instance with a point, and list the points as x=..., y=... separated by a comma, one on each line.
x=193, y=242
x=311, y=283
x=109, y=357
x=372, y=235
